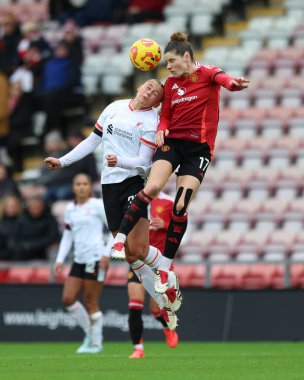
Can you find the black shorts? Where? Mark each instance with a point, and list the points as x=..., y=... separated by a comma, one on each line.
x=117, y=198
x=192, y=158
x=132, y=276
x=88, y=271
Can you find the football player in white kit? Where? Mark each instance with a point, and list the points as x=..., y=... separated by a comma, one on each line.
x=84, y=221
x=126, y=129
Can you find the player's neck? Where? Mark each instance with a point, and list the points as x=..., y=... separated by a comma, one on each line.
x=138, y=106
x=191, y=69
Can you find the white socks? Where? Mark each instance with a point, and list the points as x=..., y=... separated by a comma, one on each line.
x=155, y=260
x=147, y=278
x=80, y=315
x=139, y=346
x=165, y=264
x=90, y=324
x=96, y=328
x=120, y=238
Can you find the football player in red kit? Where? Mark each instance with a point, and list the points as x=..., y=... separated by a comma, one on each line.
x=185, y=139
x=161, y=210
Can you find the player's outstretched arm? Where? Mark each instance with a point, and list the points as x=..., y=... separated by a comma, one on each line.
x=52, y=163
x=240, y=83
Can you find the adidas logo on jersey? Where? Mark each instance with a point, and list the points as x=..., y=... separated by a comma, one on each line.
x=174, y=87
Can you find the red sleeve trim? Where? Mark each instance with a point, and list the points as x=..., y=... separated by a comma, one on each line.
x=149, y=143
x=99, y=127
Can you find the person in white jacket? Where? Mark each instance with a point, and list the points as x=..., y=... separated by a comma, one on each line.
x=83, y=234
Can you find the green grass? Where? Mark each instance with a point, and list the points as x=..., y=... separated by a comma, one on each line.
x=207, y=361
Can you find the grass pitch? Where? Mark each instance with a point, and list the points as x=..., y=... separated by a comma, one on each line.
x=195, y=361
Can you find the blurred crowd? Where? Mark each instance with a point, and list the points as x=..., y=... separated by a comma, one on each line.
x=28, y=230
x=35, y=77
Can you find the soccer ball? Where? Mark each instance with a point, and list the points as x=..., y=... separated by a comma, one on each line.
x=145, y=54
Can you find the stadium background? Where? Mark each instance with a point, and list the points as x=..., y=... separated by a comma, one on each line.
x=246, y=223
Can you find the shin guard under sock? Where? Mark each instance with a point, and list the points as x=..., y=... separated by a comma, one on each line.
x=175, y=233
x=135, y=211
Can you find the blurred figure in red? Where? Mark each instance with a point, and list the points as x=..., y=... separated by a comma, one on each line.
x=149, y=10
x=161, y=209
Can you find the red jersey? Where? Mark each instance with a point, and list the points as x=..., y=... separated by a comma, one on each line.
x=161, y=207
x=190, y=109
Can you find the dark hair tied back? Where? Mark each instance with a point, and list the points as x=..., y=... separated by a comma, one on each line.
x=179, y=45
x=179, y=36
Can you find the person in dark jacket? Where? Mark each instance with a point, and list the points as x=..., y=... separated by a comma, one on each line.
x=11, y=211
x=9, y=40
x=20, y=122
x=36, y=232
x=8, y=185
x=74, y=40
x=61, y=85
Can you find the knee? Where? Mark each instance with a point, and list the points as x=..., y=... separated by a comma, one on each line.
x=152, y=190
x=135, y=253
x=136, y=250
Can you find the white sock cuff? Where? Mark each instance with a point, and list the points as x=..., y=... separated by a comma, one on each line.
x=139, y=346
x=137, y=264
x=74, y=307
x=152, y=256
x=95, y=316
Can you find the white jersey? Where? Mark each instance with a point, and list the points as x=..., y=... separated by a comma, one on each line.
x=124, y=129
x=86, y=222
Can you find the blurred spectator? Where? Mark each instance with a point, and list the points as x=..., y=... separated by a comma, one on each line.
x=61, y=85
x=148, y=10
x=24, y=77
x=9, y=39
x=20, y=122
x=31, y=33
x=58, y=183
x=29, y=74
x=11, y=211
x=94, y=11
x=36, y=232
x=74, y=41
x=7, y=183
x=85, y=12
x=4, y=126
x=63, y=10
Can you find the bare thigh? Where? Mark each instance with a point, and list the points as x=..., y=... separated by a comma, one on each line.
x=159, y=175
